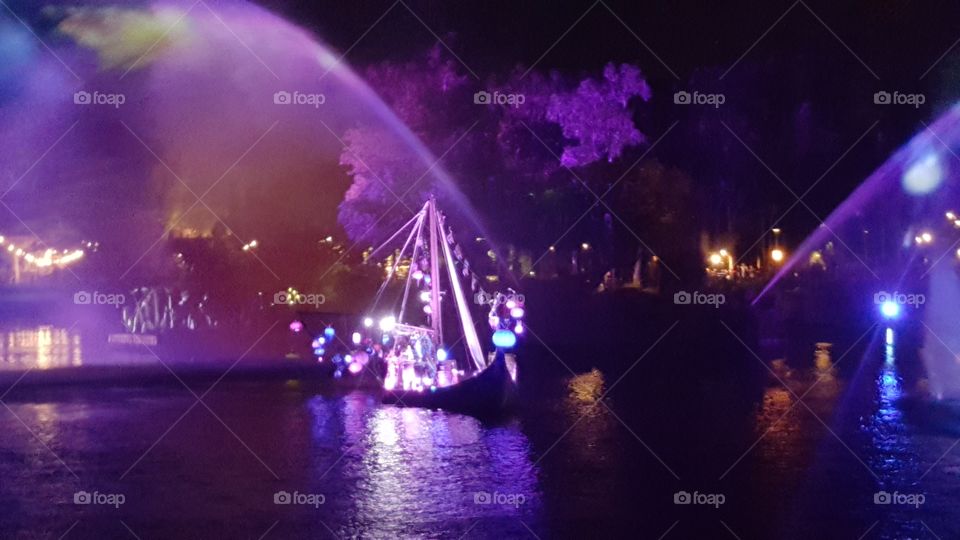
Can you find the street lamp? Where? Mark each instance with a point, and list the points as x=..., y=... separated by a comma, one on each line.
x=777, y=255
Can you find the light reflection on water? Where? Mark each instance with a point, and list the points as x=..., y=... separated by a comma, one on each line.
x=413, y=468
x=41, y=347
x=781, y=420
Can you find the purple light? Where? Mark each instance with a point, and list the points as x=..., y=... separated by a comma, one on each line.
x=296, y=327
x=355, y=368
x=518, y=329
x=516, y=313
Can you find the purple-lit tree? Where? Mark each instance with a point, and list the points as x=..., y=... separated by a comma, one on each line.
x=384, y=169
x=514, y=161
x=597, y=115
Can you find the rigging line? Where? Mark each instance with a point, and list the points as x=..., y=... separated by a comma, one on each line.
x=393, y=270
x=413, y=260
x=396, y=234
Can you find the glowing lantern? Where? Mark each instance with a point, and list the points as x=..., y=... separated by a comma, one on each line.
x=516, y=313
x=356, y=338
x=355, y=368
x=387, y=324
x=518, y=329
x=329, y=332
x=441, y=355
x=504, y=339
x=296, y=327
x=367, y=322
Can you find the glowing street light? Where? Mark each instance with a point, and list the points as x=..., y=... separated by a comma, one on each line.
x=923, y=238
x=777, y=255
x=716, y=259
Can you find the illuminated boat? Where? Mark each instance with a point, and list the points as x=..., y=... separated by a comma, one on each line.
x=408, y=345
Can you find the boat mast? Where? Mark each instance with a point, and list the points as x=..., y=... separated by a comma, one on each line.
x=435, y=318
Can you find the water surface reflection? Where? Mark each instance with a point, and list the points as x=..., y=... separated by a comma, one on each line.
x=40, y=347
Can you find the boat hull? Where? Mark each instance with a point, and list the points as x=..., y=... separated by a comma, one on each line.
x=492, y=392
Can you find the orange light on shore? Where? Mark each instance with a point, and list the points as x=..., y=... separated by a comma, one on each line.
x=777, y=255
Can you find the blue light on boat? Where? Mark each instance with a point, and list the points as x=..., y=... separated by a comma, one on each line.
x=890, y=310
x=504, y=339
x=329, y=332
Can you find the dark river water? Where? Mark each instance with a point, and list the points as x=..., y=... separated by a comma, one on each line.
x=706, y=435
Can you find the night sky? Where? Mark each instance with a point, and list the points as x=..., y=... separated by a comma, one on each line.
x=820, y=62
